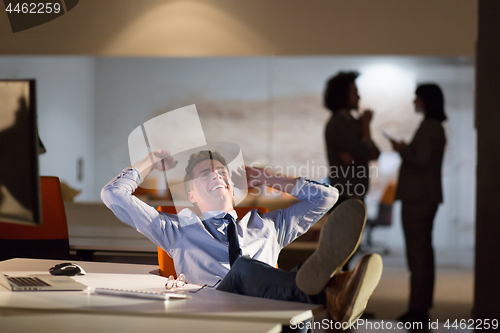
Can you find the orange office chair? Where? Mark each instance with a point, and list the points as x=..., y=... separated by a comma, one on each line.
x=383, y=219
x=166, y=263
x=47, y=241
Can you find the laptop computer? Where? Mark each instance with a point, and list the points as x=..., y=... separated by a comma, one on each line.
x=40, y=283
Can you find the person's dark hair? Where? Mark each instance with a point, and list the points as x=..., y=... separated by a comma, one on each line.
x=433, y=100
x=336, y=92
x=196, y=158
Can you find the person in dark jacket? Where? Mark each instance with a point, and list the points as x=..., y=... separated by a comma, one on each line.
x=348, y=140
x=420, y=190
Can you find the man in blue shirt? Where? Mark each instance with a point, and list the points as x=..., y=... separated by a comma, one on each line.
x=243, y=250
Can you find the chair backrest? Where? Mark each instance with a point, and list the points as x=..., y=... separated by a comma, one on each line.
x=389, y=194
x=50, y=239
x=384, y=215
x=385, y=206
x=166, y=263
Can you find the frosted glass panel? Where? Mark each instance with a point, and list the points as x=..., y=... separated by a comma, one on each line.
x=271, y=107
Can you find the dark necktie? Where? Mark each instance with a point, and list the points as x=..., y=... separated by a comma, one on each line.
x=232, y=237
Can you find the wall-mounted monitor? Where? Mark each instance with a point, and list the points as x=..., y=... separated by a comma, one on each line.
x=19, y=144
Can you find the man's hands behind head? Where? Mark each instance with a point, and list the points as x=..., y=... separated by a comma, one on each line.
x=162, y=155
x=254, y=177
x=262, y=176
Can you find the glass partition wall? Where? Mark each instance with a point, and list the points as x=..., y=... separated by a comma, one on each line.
x=270, y=106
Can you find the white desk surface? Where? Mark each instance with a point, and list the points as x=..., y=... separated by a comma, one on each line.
x=207, y=304
x=17, y=321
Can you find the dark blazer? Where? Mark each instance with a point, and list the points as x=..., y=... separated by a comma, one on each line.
x=343, y=133
x=420, y=173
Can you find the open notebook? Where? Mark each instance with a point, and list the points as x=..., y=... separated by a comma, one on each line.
x=159, y=295
x=40, y=283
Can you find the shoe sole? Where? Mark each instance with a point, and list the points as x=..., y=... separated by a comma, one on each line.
x=338, y=241
x=370, y=277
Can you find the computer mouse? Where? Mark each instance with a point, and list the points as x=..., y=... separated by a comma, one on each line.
x=67, y=269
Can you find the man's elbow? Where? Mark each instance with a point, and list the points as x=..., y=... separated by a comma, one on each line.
x=110, y=195
x=332, y=197
x=106, y=195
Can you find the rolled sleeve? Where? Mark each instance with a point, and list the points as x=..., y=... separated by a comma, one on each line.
x=162, y=229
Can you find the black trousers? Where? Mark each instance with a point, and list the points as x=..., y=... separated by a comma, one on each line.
x=251, y=277
x=418, y=220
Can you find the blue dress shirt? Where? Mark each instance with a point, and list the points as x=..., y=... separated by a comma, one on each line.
x=199, y=246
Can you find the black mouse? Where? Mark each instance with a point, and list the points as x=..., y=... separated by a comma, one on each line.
x=66, y=268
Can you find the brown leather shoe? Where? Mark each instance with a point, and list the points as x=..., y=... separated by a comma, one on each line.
x=347, y=293
x=339, y=238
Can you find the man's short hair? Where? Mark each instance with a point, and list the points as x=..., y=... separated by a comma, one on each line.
x=336, y=93
x=196, y=158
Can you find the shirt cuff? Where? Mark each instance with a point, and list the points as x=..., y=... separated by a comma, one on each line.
x=136, y=175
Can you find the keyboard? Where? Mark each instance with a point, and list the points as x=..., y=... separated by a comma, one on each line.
x=158, y=295
x=28, y=282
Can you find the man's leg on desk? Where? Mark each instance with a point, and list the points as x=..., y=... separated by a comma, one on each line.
x=345, y=294
x=251, y=277
x=254, y=278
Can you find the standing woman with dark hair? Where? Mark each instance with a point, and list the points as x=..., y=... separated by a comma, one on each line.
x=419, y=189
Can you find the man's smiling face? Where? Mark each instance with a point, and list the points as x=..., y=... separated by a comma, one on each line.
x=211, y=188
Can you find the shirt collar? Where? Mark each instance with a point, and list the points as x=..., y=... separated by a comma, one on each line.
x=218, y=214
